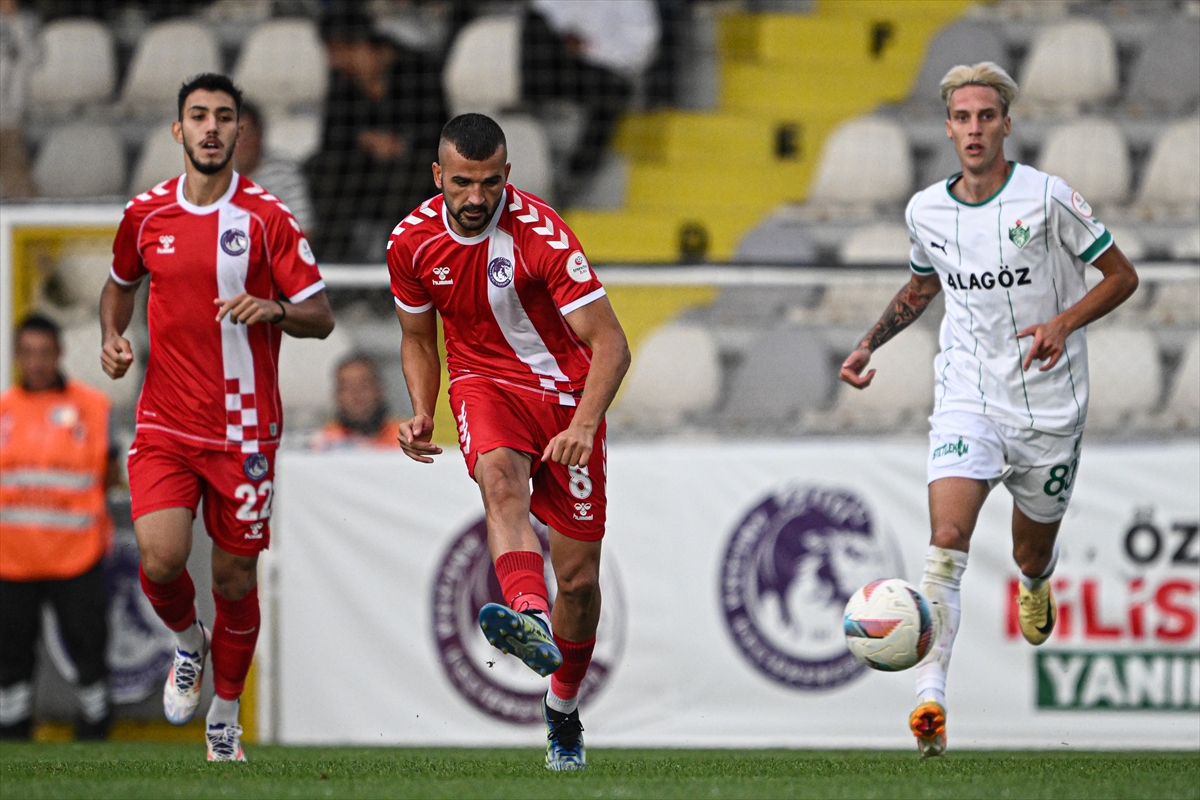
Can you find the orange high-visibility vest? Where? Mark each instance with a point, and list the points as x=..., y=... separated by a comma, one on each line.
x=54, y=523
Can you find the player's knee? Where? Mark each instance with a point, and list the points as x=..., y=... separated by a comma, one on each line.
x=949, y=536
x=163, y=565
x=500, y=484
x=234, y=584
x=581, y=589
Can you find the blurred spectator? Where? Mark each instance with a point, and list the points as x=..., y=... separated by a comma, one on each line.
x=362, y=411
x=591, y=52
x=281, y=177
x=19, y=54
x=56, y=461
x=383, y=116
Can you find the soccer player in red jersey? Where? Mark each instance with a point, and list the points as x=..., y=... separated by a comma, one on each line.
x=535, y=355
x=230, y=272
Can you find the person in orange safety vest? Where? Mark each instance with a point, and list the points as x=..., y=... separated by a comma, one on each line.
x=56, y=462
x=362, y=411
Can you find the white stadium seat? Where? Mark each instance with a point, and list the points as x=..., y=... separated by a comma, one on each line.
x=296, y=136
x=881, y=243
x=80, y=160
x=1125, y=377
x=786, y=373
x=1070, y=64
x=83, y=268
x=283, y=66
x=167, y=54
x=483, y=68
x=900, y=394
x=306, y=378
x=78, y=67
x=1186, y=246
x=865, y=162
x=1183, y=406
x=1171, y=181
x=675, y=371
x=1092, y=156
x=1175, y=303
x=529, y=154
x=1130, y=242
x=161, y=159
x=81, y=360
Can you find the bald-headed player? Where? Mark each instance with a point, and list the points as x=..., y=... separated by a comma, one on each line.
x=535, y=355
x=1009, y=245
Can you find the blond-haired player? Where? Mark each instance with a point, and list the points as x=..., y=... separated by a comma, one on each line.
x=1009, y=245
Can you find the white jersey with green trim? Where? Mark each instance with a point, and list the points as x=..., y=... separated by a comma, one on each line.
x=1016, y=259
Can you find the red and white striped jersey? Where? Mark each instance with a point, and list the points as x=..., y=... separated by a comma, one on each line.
x=503, y=294
x=212, y=383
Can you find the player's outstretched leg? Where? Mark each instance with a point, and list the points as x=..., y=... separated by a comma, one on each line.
x=175, y=603
x=564, y=731
x=235, y=634
x=522, y=628
x=941, y=586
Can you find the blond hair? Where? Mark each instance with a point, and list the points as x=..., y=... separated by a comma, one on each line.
x=985, y=73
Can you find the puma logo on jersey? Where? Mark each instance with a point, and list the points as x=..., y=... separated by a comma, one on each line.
x=941, y=246
x=440, y=278
x=1005, y=279
x=166, y=244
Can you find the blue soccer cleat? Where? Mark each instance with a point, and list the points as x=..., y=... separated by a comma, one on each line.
x=526, y=636
x=564, y=740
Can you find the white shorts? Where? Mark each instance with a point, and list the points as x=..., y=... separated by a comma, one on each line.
x=1037, y=468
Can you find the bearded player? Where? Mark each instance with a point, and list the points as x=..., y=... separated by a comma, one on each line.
x=229, y=273
x=535, y=355
x=1010, y=246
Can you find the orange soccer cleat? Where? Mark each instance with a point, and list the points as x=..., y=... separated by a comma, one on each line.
x=928, y=724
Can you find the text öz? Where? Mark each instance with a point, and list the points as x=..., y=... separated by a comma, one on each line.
x=1006, y=278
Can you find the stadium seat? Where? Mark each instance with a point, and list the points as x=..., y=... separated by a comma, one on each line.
x=967, y=41
x=1070, y=64
x=78, y=67
x=1176, y=303
x=941, y=166
x=296, y=136
x=676, y=371
x=881, y=243
x=1165, y=78
x=80, y=160
x=865, y=163
x=1125, y=377
x=306, y=378
x=81, y=361
x=855, y=303
x=1130, y=242
x=529, y=154
x=167, y=54
x=900, y=395
x=283, y=66
x=777, y=241
x=1171, y=181
x=1183, y=406
x=483, y=68
x=1186, y=246
x=786, y=373
x=82, y=270
x=161, y=159
x=1092, y=156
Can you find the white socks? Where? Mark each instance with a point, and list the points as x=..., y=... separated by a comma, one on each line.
x=223, y=712
x=560, y=705
x=16, y=703
x=941, y=586
x=93, y=702
x=191, y=639
x=1033, y=584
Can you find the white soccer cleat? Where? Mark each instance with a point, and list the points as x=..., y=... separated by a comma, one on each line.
x=181, y=694
x=224, y=742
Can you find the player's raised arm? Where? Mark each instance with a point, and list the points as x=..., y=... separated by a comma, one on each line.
x=1119, y=283
x=597, y=325
x=908, y=304
x=423, y=373
x=116, y=311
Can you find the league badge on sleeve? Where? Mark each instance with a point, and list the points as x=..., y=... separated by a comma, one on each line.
x=578, y=267
x=305, y=251
x=255, y=466
x=1081, y=205
x=1019, y=234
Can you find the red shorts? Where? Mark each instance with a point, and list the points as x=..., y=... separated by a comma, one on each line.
x=571, y=500
x=166, y=472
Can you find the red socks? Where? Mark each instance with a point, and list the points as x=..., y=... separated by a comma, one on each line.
x=565, y=681
x=235, y=632
x=173, y=601
x=523, y=581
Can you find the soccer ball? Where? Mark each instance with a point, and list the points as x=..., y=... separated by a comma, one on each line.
x=888, y=625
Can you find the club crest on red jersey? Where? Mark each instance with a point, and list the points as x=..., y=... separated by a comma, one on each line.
x=500, y=272
x=234, y=242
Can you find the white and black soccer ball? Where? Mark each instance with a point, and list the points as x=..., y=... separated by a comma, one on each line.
x=888, y=625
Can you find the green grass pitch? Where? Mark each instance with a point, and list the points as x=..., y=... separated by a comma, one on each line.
x=173, y=770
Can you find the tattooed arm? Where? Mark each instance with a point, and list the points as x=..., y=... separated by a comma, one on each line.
x=906, y=306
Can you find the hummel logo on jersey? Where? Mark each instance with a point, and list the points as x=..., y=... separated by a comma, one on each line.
x=166, y=244
x=440, y=274
x=256, y=531
x=1019, y=234
x=1005, y=279
x=958, y=448
x=941, y=246
x=582, y=511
